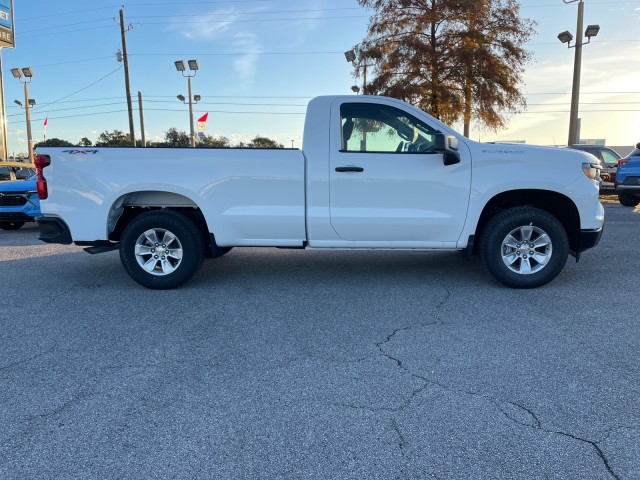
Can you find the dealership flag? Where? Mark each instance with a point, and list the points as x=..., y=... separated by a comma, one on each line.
x=202, y=123
x=46, y=121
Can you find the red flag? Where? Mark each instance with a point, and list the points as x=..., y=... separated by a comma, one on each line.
x=202, y=123
x=46, y=120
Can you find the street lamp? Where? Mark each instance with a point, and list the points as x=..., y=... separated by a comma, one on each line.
x=350, y=56
x=182, y=68
x=566, y=37
x=355, y=89
x=24, y=76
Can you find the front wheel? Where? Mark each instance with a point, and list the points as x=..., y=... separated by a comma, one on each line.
x=161, y=249
x=628, y=200
x=524, y=247
x=11, y=225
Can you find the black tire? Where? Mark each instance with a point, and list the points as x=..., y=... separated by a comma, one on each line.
x=628, y=200
x=543, y=257
x=161, y=249
x=11, y=225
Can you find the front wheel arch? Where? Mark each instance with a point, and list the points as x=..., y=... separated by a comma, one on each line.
x=556, y=204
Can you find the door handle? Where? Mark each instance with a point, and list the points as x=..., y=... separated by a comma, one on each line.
x=349, y=169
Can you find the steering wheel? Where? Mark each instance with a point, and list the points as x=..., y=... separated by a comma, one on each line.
x=424, y=146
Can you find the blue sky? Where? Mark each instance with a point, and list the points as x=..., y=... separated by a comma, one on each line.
x=262, y=60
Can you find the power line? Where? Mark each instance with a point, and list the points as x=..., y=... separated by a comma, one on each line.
x=83, y=88
x=235, y=103
x=64, y=31
x=590, y=3
x=84, y=22
x=223, y=54
x=171, y=110
x=173, y=15
x=83, y=107
x=172, y=4
x=72, y=61
x=208, y=22
x=296, y=19
x=60, y=14
x=267, y=12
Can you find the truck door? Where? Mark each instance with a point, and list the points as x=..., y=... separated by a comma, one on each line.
x=387, y=184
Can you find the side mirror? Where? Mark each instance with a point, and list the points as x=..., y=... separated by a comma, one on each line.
x=448, y=146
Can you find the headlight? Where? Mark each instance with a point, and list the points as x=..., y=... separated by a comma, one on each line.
x=592, y=170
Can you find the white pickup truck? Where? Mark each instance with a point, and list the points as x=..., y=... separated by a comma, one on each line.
x=374, y=172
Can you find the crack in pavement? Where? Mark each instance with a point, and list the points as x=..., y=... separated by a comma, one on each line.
x=515, y=412
x=30, y=359
x=595, y=446
x=402, y=442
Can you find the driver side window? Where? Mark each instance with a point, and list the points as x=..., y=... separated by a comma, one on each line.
x=367, y=127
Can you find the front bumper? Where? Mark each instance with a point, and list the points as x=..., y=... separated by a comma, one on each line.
x=15, y=217
x=18, y=207
x=589, y=239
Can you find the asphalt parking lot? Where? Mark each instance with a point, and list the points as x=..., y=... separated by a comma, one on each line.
x=280, y=364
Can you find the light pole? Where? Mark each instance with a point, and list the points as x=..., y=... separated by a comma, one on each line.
x=24, y=76
x=350, y=55
x=566, y=37
x=194, y=67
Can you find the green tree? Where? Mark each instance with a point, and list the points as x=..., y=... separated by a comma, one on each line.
x=211, y=141
x=54, y=142
x=116, y=138
x=261, y=142
x=455, y=59
x=175, y=138
x=85, y=142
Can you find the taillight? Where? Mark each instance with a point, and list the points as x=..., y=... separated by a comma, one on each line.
x=622, y=161
x=42, y=161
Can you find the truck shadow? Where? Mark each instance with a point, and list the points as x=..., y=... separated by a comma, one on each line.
x=282, y=267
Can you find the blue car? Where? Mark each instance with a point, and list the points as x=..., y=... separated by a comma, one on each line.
x=628, y=179
x=19, y=203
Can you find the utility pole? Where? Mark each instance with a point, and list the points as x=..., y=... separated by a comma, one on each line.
x=575, y=90
x=144, y=138
x=125, y=58
x=27, y=108
x=4, y=151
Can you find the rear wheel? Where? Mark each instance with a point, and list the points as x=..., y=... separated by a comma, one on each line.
x=524, y=247
x=11, y=225
x=161, y=249
x=628, y=200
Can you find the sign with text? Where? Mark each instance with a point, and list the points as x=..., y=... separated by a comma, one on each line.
x=6, y=24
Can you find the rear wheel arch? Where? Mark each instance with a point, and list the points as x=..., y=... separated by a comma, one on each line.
x=128, y=207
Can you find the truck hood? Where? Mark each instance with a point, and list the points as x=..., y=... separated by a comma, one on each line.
x=504, y=151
